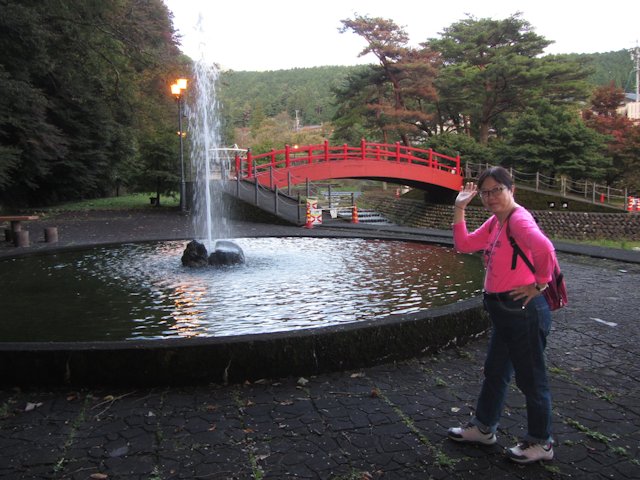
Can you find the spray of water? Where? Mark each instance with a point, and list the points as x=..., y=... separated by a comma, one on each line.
x=209, y=165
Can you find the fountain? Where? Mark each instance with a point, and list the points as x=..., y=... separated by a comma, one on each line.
x=210, y=168
x=299, y=305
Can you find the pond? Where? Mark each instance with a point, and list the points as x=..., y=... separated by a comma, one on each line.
x=142, y=291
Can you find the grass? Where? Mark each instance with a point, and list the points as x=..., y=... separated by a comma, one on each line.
x=122, y=202
x=622, y=243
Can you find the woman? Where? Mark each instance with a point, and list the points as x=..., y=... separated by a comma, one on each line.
x=518, y=311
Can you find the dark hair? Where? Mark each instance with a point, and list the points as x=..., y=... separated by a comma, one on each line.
x=499, y=174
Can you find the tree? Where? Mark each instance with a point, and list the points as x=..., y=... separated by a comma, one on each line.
x=274, y=133
x=553, y=140
x=405, y=79
x=83, y=75
x=358, y=115
x=492, y=68
x=623, y=144
x=454, y=144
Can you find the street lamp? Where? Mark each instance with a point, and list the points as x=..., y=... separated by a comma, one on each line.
x=177, y=90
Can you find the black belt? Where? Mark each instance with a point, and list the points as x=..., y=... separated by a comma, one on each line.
x=500, y=297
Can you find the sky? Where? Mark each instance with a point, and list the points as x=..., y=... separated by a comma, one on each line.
x=261, y=35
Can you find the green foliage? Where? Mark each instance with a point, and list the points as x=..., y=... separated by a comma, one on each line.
x=275, y=133
x=86, y=106
x=454, y=144
x=355, y=118
x=404, y=81
x=493, y=68
x=616, y=67
x=249, y=97
x=552, y=140
x=79, y=75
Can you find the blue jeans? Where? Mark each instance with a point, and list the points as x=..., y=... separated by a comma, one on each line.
x=517, y=344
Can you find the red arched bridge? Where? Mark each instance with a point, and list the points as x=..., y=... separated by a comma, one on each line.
x=394, y=163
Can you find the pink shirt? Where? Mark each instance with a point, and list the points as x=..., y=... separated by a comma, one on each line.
x=492, y=238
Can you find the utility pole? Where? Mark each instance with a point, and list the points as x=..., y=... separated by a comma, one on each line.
x=635, y=56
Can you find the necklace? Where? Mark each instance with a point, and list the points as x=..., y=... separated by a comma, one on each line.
x=489, y=254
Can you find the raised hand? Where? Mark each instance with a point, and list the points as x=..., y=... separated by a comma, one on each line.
x=469, y=190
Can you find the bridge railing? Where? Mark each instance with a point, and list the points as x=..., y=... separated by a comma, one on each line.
x=586, y=190
x=293, y=156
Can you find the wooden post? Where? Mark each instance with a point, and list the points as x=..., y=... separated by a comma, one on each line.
x=21, y=238
x=51, y=234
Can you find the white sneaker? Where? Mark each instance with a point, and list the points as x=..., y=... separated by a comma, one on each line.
x=526, y=452
x=472, y=434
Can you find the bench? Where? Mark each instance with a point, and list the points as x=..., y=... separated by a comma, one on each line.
x=16, y=220
x=15, y=233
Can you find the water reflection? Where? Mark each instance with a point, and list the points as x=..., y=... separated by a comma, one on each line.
x=142, y=291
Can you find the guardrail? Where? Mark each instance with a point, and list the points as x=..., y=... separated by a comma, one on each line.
x=251, y=165
x=583, y=190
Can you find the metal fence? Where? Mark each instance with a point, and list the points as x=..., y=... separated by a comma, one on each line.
x=583, y=190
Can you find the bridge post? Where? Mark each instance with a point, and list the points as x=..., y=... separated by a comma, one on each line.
x=398, y=152
x=287, y=156
x=326, y=150
x=256, y=191
x=363, y=149
x=249, y=164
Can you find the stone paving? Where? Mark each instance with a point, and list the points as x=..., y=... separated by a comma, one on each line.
x=382, y=422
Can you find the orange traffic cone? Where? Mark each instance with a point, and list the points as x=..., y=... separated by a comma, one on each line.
x=309, y=223
x=354, y=214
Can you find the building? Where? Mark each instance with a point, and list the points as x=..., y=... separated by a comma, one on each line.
x=631, y=106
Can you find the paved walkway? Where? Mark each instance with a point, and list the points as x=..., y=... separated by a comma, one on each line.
x=383, y=422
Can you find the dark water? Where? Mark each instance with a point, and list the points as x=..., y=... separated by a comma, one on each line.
x=141, y=291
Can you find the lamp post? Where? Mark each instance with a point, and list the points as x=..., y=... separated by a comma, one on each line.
x=177, y=89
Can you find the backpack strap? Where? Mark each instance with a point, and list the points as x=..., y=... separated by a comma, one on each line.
x=517, y=251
